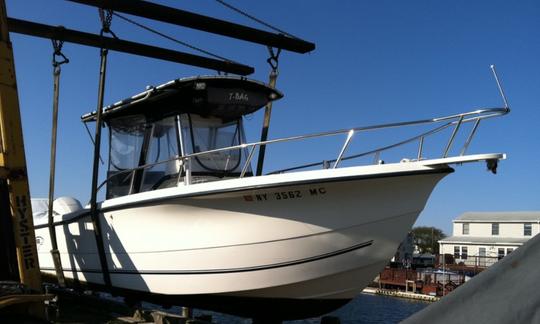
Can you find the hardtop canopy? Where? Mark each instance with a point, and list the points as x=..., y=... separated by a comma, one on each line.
x=227, y=97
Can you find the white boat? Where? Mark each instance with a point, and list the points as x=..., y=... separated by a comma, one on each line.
x=185, y=220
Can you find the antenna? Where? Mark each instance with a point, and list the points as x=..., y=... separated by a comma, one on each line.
x=501, y=91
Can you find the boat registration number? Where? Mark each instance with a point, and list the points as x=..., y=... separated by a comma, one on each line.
x=286, y=195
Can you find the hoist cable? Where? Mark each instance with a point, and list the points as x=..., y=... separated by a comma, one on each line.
x=198, y=49
x=243, y=13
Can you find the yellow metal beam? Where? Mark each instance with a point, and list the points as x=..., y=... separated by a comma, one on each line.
x=13, y=159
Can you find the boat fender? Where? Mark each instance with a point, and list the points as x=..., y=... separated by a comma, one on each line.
x=65, y=205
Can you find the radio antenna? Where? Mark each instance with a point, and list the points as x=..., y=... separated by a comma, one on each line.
x=501, y=91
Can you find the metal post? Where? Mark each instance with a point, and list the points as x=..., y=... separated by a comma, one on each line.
x=420, y=148
x=95, y=172
x=344, y=148
x=187, y=313
x=469, y=139
x=377, y=157
x=52, y=231
x=266, y=124
x=13, y=160
x=456, y=129
x=187, y=168
x=248, y=161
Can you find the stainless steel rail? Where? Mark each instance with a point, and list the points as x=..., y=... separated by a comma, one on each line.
x=440, y=124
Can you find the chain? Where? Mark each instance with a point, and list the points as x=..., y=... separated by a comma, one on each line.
x=106, y=16
x=57, y=46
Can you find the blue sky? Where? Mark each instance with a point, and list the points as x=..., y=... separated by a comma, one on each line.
x=375, y=62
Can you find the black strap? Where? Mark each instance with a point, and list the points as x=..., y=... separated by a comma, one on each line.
x=57, y=60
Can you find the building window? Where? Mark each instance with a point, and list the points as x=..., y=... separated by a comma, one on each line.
x=527, y=229
x=500, y=255
x=456, y=252
x=495, y=229
x=482, y=251
x=464, y=252
x=482, y=256
x=509, y=250
x=465, y=228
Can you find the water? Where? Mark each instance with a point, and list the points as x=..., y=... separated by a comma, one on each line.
x=365, y=308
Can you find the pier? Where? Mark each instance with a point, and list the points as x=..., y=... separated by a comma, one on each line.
x=401, y=294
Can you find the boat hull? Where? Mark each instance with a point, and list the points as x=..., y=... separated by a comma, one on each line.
x=319, y=241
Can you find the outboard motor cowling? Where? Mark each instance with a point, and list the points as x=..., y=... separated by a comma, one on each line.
x=66, y=205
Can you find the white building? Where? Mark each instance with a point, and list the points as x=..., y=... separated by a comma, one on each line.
x=482, y=238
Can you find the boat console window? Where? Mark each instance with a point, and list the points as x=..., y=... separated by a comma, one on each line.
x=126, y=138
x=162, y=154
x=209, y=133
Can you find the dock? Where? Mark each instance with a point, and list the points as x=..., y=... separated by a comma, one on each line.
x=507, y=292
x=400, y=294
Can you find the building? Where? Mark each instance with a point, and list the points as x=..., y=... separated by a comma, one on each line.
x=405, y=251
x=482, y=238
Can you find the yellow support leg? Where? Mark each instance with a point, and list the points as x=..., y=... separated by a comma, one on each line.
x=13, y=167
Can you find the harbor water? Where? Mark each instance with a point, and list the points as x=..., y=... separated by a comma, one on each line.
x=365, y=308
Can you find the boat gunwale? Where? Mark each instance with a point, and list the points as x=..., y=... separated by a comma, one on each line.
x=204, y=193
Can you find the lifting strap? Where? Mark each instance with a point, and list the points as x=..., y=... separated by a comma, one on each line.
x=273, y=61
x=58, y=58
x=106, y=19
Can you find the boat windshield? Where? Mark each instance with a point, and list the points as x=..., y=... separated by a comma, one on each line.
x=203, y=134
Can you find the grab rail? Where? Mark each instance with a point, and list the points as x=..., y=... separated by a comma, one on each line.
x=456, y=120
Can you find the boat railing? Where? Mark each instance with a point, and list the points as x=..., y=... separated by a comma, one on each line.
x=439, y=124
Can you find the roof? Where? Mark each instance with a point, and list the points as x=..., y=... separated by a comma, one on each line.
x=491, y=240
x=220, y=96
x=501, y=217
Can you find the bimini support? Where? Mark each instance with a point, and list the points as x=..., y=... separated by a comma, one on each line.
x=57, y=46
x=106, y=22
